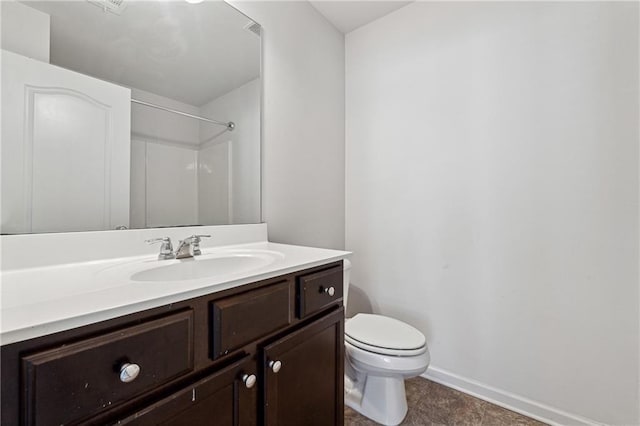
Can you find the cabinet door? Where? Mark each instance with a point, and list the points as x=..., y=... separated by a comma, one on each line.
x=224, y=398
x=307, y=386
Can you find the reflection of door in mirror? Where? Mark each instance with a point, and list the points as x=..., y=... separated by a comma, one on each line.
x=65, y=149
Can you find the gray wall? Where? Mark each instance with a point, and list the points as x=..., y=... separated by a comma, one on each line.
x=303, y=123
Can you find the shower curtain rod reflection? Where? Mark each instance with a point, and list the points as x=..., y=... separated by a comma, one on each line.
x=230, y=125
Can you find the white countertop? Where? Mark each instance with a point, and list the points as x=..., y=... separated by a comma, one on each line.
x=37, y=301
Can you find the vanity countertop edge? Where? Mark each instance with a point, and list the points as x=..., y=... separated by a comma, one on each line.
x=23, y=321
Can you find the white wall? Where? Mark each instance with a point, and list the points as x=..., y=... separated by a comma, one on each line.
x=303, y=123
x=172, y=185
x=214, y=182
x=25, y=30
x=242, y=106
x=138, y=194
x=164, y=184
x=492, y=195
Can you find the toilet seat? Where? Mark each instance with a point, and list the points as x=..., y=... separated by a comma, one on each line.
x=386, y=365
x=384, y=335
x=385, y=351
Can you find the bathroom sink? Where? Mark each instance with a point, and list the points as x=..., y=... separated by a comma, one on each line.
x=208, y=266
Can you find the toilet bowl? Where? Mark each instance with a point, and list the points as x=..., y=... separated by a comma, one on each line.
x=380, y=353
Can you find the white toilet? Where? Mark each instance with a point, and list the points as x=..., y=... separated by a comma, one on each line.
x=381, y=352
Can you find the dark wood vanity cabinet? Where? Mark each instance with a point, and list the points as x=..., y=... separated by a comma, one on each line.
x=265, y=353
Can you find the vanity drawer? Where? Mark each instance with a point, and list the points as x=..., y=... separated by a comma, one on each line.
x=71, y=382
x=239, y=320
x=318, y=290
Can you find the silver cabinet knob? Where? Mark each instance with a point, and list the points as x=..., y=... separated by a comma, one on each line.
x=129, y=372
x=275, y=366
x=249, y=380
x=330, y=291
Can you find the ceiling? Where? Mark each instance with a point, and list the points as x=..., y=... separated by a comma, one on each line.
x=167, y=49
x=192, y=53
x=348, y=15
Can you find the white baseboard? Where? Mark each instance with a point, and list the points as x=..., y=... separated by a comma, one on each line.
x=510, y=401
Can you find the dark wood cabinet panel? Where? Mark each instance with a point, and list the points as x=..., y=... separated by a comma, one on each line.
x=318, y=290
x=308, y=387
x=71, y=382
x=219, y=399
x=240, y=319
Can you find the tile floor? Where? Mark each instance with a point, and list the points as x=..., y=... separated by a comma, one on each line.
x=433, y=404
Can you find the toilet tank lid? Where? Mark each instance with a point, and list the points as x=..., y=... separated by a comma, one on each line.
x=384, y=332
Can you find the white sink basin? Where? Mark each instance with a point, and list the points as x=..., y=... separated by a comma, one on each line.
x=208, y=266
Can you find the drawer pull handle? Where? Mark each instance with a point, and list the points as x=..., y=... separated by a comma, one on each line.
x=129, y=372
x=275, y=366
x=249, y=380
x=330, y=291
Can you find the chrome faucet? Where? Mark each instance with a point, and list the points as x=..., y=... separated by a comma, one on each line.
x=166, y=249
x=190, y=246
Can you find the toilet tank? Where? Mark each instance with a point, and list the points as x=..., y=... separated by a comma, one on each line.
x=346, y=276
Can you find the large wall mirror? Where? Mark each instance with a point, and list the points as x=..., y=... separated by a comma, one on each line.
x=120, y=114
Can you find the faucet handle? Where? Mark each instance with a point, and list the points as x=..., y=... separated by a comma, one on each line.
x=164, y=240
x=166, y=249
x=195, y=242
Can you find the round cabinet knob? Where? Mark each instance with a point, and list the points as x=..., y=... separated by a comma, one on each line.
x=129, y=372
x=249, y=380
x=275, y=366
x=330, y=291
